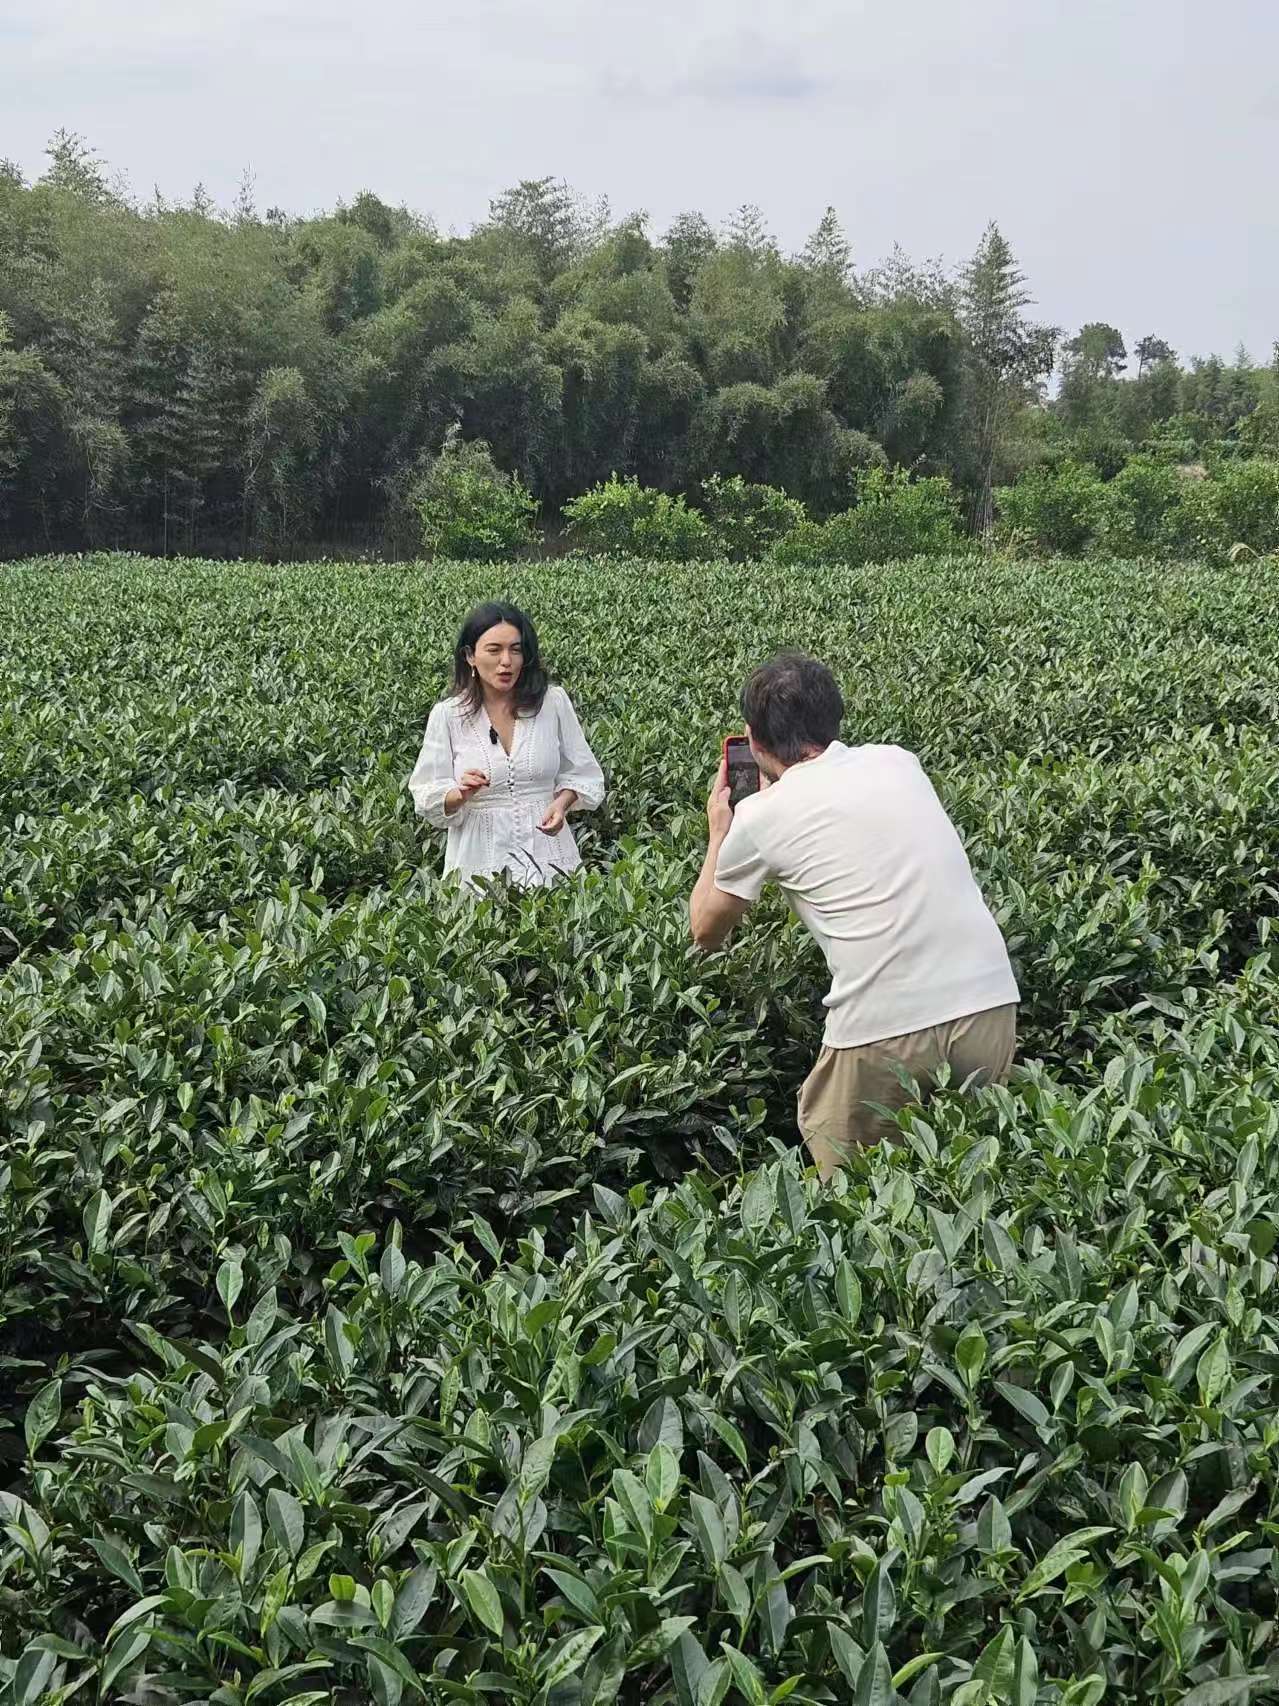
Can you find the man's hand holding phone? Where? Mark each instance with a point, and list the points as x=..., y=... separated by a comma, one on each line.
x=713, y=911
x=719, y=808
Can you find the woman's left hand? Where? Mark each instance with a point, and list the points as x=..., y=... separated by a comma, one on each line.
x=553, y=822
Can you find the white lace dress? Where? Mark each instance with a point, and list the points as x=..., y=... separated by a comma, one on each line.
x=495, y=832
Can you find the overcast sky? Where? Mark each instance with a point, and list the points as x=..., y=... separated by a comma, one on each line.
x=1127, y=147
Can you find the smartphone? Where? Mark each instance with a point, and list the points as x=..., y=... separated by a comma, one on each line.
x=743, y=772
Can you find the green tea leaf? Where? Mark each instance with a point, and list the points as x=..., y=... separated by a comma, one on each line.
x=875, y=1679
x=633, y=1497
x=117, y=1561
x=940, y=1446
x=44, y=1412
x=230, y=1282
x=708, y=1525
x=1025, y=1403
x=970, y=1353
x=662, y=1426
x=286, y=1521
x=567, y=1656
x=246, y=1531
x=482, y=1600
x=97, y=1221
x=1055, y=1562
x=411, y=1601
x=746, y=1679
x=387, y=1653
x=341, y=1354
x=879, y=1606
x=757, y=1202
x=730, y=1436
x=662, y=1477
x=848, y=1292
x=1213, y=1371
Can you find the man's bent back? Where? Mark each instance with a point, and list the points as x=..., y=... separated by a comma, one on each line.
x=864, y=852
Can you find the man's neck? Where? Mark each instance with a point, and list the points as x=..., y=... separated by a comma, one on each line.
x=805, y=757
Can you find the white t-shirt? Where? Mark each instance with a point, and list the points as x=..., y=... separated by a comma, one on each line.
x=867, y=858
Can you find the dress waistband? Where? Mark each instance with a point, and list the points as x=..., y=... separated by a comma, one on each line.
x=500, y=799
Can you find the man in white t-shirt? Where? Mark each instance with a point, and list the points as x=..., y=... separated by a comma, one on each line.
x=864, y=852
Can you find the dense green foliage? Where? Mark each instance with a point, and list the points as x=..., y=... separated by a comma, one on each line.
x=467, y=508
x=895, y=516
x=406, y=1296
x=749, y=521
x=174, y=376
x=621, y=517
x=1148, y=508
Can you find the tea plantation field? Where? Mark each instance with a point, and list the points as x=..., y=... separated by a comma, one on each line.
x=410, y=1298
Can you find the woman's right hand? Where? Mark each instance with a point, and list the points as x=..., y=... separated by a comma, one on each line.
x=465, y=788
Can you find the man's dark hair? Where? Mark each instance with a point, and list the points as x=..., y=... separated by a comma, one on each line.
x=792, y=705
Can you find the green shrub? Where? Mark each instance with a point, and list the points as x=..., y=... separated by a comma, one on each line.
x=895, y=517
x=749, y=520
x=623, y=518
x=1238, y=505
x=806, y=544
x=1258, y=432
x=469, y=509
x=1056, y=510
x=1182, y=438
x=1144, y=510
x=1102, y=448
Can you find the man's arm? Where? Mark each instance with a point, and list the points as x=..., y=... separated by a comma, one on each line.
x=711, y=912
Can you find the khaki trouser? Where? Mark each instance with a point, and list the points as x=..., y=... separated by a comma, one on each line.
x=834, y=1115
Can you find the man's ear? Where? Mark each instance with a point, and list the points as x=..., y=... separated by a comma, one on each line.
x=763, y=758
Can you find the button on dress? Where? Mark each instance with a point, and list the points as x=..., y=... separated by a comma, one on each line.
x=495, y=832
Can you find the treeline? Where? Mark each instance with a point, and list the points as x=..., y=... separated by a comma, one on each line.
x=179, y=377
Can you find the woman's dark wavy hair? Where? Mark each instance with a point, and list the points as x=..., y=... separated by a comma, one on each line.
x=530, y=689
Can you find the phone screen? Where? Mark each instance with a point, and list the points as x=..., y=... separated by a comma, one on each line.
x=743, y=772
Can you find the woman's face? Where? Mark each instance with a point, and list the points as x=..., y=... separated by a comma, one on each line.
x=498, y=658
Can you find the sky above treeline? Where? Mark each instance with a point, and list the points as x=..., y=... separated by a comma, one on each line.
x=1126, y=147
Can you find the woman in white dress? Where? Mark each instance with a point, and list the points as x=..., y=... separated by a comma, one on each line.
x=504, y=761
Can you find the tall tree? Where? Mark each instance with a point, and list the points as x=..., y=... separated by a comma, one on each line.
x=31, y=428
x=1091, y=362
x=541, y=219
x=74, y=167
x=1097, y=351
x=690, y=241
x=283, y=433
x=181, y=416
x=828, y=252
x=1008, y=358
x=1150, y=350
x=748, y=231
x=85, y=354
